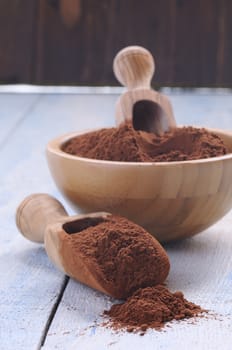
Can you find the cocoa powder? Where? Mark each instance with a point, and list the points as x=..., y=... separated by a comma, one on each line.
x=151, y=307
x=126, y=262
x=129, y=145
x=120, y=254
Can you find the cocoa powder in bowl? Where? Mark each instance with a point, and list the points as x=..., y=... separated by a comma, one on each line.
x=129, y=145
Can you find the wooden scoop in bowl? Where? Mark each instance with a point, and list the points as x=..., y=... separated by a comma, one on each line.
x=113, y=258
x=147, y=109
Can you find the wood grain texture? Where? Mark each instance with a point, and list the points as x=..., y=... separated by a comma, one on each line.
x=134, y=67
x=24, y=268
x=147, y=109
x=36, y=212
x=46, y=42
x=30, y=285
x=190, y=40
x=12, y=114
x=17, y=40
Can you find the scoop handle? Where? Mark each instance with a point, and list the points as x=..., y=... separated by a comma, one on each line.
x=134, y=67
x=35, y=213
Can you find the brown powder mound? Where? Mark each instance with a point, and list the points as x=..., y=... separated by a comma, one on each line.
x=120, y=254
x=151, y=307
x=128, y=145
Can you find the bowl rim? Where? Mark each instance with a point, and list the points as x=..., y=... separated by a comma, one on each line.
x=55, y=146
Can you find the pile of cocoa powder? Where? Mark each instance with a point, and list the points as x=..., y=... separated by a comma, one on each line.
x=129, y=145
x=151, y=307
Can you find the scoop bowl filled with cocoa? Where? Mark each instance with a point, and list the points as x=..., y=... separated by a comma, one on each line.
x=174, y=181
x=106, y=252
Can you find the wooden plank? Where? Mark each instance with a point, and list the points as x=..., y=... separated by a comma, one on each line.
x=14, y=108
x=190, y=41
x=203, y=109
x=17, y=40
x=192, y=45
x=79, y=55
x=30, y=285
x=224, y=69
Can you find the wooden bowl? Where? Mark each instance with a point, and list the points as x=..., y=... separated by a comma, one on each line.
x=171, y=200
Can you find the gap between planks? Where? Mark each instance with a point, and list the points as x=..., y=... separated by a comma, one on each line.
x=53, y=313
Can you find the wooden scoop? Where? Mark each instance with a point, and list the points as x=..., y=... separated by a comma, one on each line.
x=42, y=218
x=147, y=109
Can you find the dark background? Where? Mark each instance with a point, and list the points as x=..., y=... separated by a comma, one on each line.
x=73, y=42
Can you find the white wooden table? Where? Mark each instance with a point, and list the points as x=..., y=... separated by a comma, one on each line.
x=39, y=306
